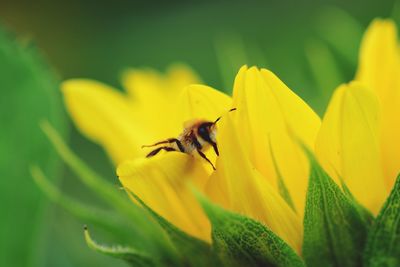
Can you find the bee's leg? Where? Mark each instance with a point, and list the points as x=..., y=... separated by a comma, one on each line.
x=168, y=141
x=205, y=157
x=215, y=147
x=158, y=143
x=155, y=151
x=178, y=143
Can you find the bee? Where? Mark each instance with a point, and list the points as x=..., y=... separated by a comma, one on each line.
x=197, y=136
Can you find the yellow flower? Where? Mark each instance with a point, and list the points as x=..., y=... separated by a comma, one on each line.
x=261, y=171
x=246, y=179
x=122, y=123
x=359, y=137
x=154, y=109
x=256, y=149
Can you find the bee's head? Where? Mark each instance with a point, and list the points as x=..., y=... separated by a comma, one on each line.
x=213, y=132
x=207, y=131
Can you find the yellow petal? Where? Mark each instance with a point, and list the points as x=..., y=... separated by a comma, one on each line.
x=179, y=76
x=270, y=113
x=379, y=69
x=348, y=144
x=105, y=116
x=216, y=188
x=246, y=191
x=380, y=59
x=202, y=102
x=157, y=97
x=161, y=182
x=148, y=85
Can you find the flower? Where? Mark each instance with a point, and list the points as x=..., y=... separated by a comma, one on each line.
x=154, y=109
x=359, y=139
x=122, y=123
x=262, y=171
x=248, y=174
x=257, y=157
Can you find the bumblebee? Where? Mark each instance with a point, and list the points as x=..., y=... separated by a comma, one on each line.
x=197, y=136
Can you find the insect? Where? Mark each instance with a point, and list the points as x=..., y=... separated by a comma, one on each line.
x=197, y=136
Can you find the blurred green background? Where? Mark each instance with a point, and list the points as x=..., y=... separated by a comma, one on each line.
x=311, y=45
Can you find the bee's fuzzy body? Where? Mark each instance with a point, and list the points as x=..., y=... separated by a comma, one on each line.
x=197, y=136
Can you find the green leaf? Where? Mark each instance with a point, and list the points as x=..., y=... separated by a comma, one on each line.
x=334, y=230
x=383, y=244
x=241, y=241
x=107, y=220
x=29, y=93
x=193, y=251
x=134, y=257
x=341, y=31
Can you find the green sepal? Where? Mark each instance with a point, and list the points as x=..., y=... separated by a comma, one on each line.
x=282, y=188
x=132, y=256
x=193, y=251
x=101, y=187
x=147, y=234
x=241, y=241
x=334, y=229
x=383, y=243
x=366, y=215
x=91, y=179
x=104, y=219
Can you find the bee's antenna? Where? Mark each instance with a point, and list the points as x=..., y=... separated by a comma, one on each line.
x=232, y=109
x=217, y=120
